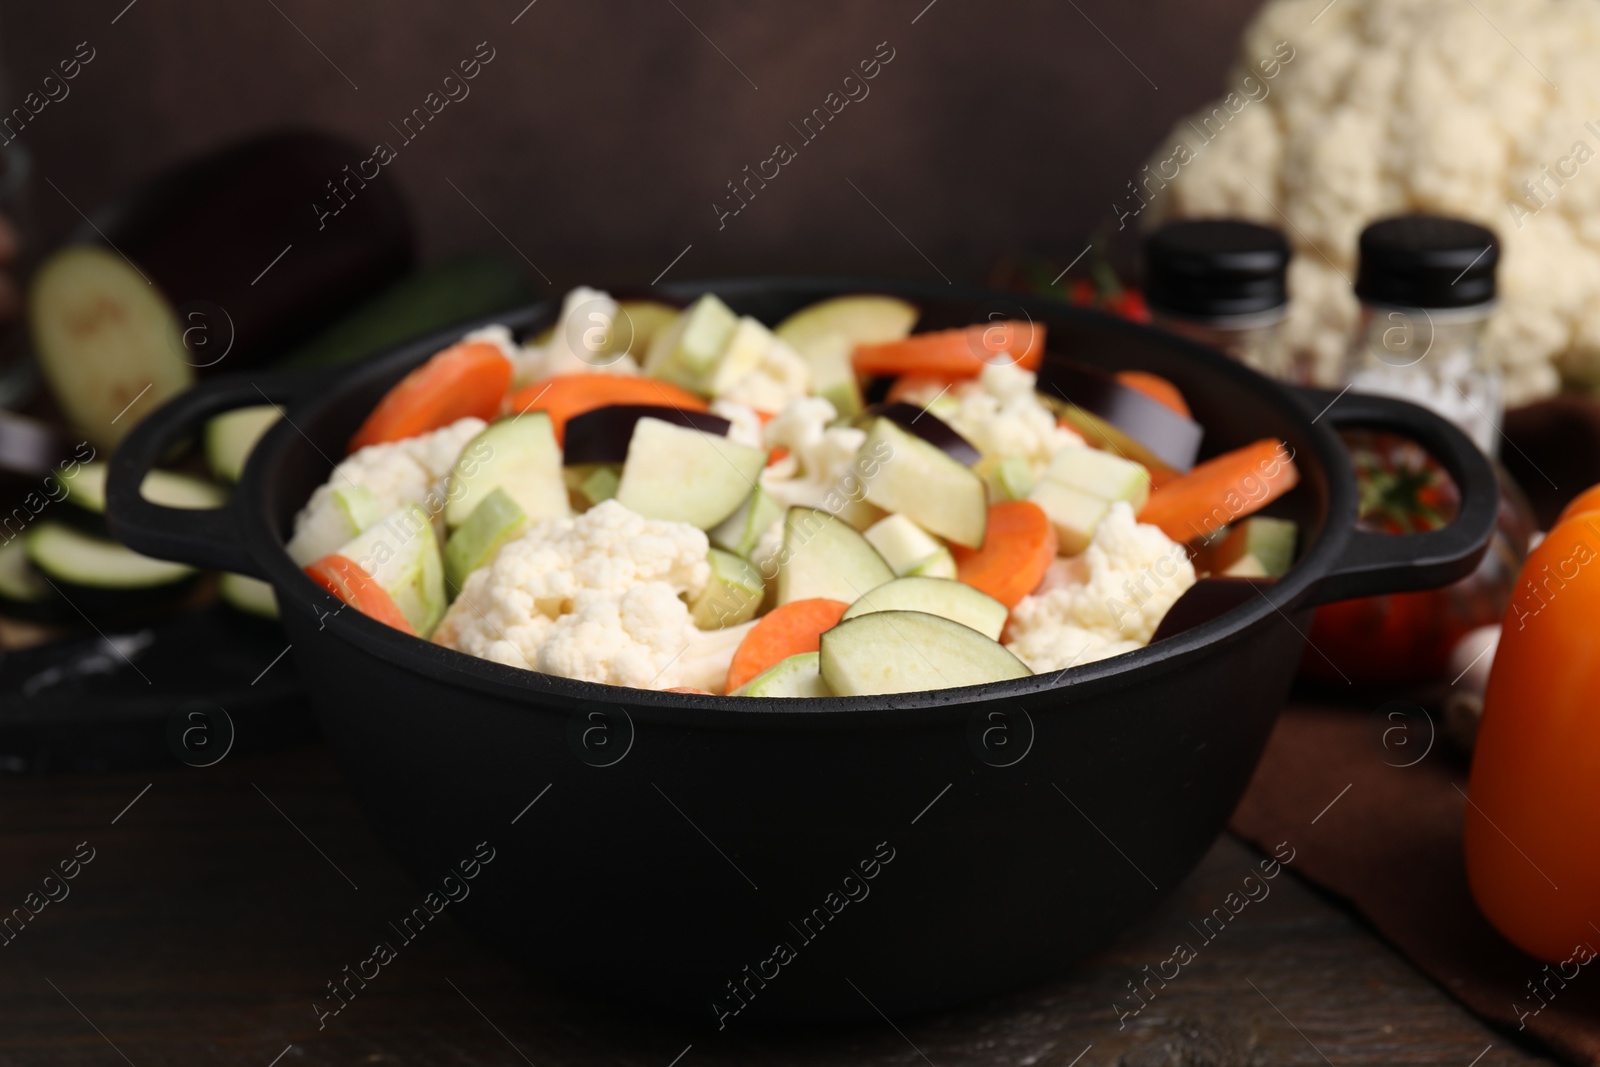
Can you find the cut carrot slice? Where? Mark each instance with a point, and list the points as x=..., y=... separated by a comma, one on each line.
x=345, y=579
x=1222, y=490
x=959, y=353
x=567, y=396
x=785, y=631
x=1156, y=388
x=463, y=380
x=1018, y=546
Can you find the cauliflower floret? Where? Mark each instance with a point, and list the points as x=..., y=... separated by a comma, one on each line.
x=820, y=469
x=580, y=342
x=1134, y=574
x=744, y=424
x=1346, y=113
x=1005, y=417
x=412, y=471
x=596, y=597
x=782, y=376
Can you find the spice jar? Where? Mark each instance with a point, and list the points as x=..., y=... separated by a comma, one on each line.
x=1427, y=286
x=1222, y=282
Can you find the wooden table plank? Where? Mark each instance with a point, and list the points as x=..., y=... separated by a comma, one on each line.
x=206, y=924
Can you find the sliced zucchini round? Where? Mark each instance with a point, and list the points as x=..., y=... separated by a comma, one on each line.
x=230, y=436
x=70, y=556
x=249, y=595
x=87, y=489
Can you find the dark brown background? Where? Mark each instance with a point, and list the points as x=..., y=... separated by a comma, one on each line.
x=602, y=132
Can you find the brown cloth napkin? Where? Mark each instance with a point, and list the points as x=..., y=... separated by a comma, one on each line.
x=1387, y=838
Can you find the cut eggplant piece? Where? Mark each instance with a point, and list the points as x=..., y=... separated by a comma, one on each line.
x=683, y=475
x=903, y=473
x=230, y=437
x=76, y=559
x=740, y=532
x=106, y=340
x=1009, y=478
x=824, y=556
x=686, y=352
x=1101, y=474
x=603, y=434
x=401, y=554
x=519, y=455
x=1118, y=418
x=1267, y=541
x=732, y=596
x=1074, y=514
x=861, y=319
x=496, y=520
x=797, y=676
x=911, y=652
x=249, y=595
x=336, y=519
x=214, y=264
x=930, y=428
x=1208, y=599
x=601, y=484
x=944, y=597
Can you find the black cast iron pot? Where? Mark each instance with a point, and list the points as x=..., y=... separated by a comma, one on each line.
x=730, y=860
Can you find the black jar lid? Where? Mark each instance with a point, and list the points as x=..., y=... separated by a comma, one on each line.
x=1427, y=261
x=1211, y=268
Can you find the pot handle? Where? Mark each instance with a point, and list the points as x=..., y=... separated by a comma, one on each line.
x=205, y=537
x=1376, y=563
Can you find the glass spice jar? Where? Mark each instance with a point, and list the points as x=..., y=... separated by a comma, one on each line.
x=1222, y=282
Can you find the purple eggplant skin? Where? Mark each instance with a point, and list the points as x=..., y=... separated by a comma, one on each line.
x=919, y=422
x=241, y=241
x=1206, y=599
x=602, y=435
x=1168, y=436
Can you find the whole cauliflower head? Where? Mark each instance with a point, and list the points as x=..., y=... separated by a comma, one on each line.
x=1131, y=573
x=1488, y=111
x=598, y=597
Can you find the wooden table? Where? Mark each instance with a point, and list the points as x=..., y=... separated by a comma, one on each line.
x=220, y=900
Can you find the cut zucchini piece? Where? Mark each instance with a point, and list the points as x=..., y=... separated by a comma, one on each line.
x=686, y=352
x=902, y=543
x=600, y=485
x=19, y=582
x=1270, y=542
x=249, y=595
x=336, y=519
x=74, y=558
x=401, y=554
x=1101, y=474
x=230, y=437
x=797, y=676
x=911, y=652
x=824, y=556
x=732, y=596
x=747, y=348
x=684, y=475
x=87, y=489
x=519, y=455
x=496, y=520
x=944, y=597
x=1074, y=513
x=905, y=474
x=1009, y=479
x=740, y=532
